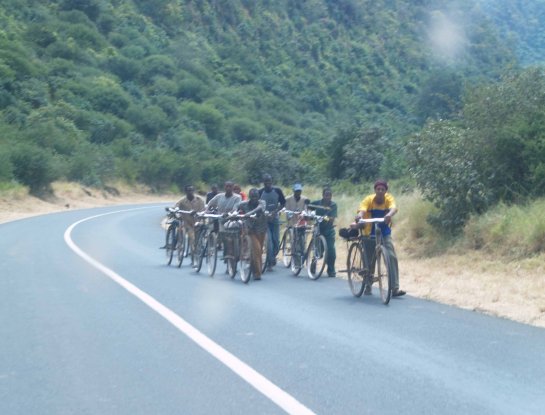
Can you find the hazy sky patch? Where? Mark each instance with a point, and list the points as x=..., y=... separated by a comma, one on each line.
x=447, y=37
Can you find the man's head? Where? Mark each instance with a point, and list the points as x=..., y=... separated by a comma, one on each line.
x=297, y=190
x=236, y=188
x=189, y=191
x=214, y=188
x=267, y=181
x=253, y=195
x=381, y=187
x=327, y=194
x=228, y=187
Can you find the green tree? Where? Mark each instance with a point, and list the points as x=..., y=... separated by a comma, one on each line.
x=363, y=155
x=444, y=161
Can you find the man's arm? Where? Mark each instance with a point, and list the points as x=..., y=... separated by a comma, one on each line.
x=213, y=202
x=260, y=208
x=364, y=206
x=281, y=198
x=392, y=208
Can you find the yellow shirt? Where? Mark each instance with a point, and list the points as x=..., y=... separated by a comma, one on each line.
x=372, y=209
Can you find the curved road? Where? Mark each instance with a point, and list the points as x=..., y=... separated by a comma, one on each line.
x=93, y=322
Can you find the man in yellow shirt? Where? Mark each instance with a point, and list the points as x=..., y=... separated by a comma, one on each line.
x=380, y=204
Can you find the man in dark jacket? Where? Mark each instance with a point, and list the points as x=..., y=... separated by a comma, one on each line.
x=274, y=201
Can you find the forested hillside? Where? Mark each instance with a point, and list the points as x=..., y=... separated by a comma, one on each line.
x=521, y=22
x=168, y=92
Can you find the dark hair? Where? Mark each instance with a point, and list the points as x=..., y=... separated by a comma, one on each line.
x=327, y=189
x=187, y=187
x=381, y=182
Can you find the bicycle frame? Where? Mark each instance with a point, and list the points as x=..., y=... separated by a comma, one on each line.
x=366, y=270
x=205, y=230
x=236, y=232
x=316, y=249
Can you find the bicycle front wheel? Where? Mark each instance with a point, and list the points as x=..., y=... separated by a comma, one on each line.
x=356, y=269
x=212, y=253
x=287, y=249
x=170, y=243
x=201, y=248
x=231, y=267
x=180, y=247
x=267, y=249
x=246, y=259
x=383, y=275
x=316, y=257
x=297, y=251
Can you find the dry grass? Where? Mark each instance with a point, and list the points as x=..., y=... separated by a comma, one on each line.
x=455, y=273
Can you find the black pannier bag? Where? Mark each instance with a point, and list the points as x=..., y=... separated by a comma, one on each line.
x=348, y=233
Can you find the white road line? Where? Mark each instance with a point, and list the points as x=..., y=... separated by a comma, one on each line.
x=281, y=398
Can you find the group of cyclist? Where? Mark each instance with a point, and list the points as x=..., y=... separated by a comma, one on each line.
x=264, y=205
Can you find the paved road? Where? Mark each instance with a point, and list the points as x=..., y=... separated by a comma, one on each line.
x=74, y=341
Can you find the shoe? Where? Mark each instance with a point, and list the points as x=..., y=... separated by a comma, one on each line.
x=269, y=269
x=257, y=278
x=367, y=290
x=332, y=275
x=398, y=293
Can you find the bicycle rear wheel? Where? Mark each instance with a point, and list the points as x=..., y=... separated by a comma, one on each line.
x=212, y=253
x=287, y=248
x=170, y=243
x=245, y=259
x=180, y=246
x=383, y=275
x=355, y=265
x=316, y=257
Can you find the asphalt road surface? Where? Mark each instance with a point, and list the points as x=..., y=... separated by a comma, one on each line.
x=94, y=322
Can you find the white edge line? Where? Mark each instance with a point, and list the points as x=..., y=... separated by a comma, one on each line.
x=281, y=398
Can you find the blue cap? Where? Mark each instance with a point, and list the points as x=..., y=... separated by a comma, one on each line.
x=297, y=186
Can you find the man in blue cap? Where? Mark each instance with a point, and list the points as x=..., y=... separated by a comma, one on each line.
x=296, y=202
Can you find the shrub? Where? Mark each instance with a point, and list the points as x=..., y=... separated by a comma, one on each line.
x=91, y=165
x=33, y=167
x=243, y=129
x=157, y=65
x=150, y=120
x=6, y=167
x=207, y=116
x=257, y=158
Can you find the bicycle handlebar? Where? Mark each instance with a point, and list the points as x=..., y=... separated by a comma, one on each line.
x=309, y=215
x=371, y=220
x=318, y=207
x=177, y=210
x=209, y=215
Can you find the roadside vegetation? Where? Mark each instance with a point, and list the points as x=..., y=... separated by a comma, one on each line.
x=160, y=93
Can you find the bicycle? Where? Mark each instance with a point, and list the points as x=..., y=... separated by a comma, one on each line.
x=206, y=243
x=236, y=231
x=176, y=238
x=358, y=266
x=315, y=255
x=286, y=243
